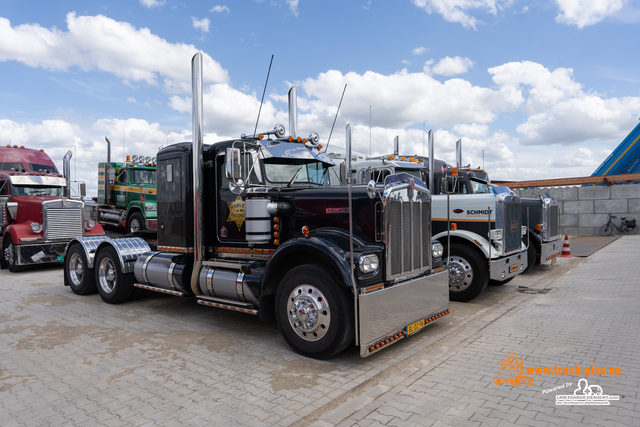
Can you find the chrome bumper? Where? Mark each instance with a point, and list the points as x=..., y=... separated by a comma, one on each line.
x=504, y=268
x=384, y=316
x=40, y=253
x=550, y=250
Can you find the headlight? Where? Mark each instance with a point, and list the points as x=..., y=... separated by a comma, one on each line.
x=369, y=263
x=150, y=208
x=89, y=224
x=437, y=250
x=495, y=234
x=35, y=227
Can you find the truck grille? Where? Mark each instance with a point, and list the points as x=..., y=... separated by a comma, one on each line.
x=554, y=219
x=512, y=233
x=63, y=223
x=408, y=237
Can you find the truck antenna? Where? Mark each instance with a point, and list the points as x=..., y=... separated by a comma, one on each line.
x=336, y=116
x=262, y=100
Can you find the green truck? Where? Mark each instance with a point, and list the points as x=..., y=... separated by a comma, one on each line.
x=127, y=193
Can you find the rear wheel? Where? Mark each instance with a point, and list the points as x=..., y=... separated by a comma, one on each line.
x=10, y=255
x=76, y=268
x=606, y=229
x=467, y=273
x=314, y=313
x=114, y=286
x=631, y=230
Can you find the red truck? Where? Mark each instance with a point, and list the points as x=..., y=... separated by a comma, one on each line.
x=37, y=217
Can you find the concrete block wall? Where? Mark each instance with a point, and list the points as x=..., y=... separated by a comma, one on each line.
x=584, y=209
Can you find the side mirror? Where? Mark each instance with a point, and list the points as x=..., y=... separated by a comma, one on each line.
x=234, y=167
x=371, y=189
x=448, y=184
x=233, y=170
x=83, y=189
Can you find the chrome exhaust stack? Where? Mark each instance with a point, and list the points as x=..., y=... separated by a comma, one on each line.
x=348, y=154
x=198, y=229
x=66, y=170
x=107, y=174
x=293, y=112
x=459, y=153
x=396, y=146
x=431, y=162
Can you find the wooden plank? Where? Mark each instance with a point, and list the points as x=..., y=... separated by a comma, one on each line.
x=562, y=182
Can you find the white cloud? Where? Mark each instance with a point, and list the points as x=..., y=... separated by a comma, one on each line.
x=459, y=11
x=101, y=43
x=201, y=24
x=151, y=3
x=559, y=111
x=219, y=8
x=583, y=13
x=293, y=6
x=402, y=99
x=419, y=51
x=230, y=112
x=449, y=66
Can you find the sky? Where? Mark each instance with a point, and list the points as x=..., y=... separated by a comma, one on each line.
x=534, y=89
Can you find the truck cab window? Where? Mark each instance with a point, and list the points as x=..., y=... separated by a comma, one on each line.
x=479, y=187
x=44, y=168
x=250, y=164
x=6, y=166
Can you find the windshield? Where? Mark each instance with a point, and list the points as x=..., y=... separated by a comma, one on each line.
x=499, y=189
x=416, y=173
x=36, y=190
x=141, y=176
x=479, y=187
x=307, y=173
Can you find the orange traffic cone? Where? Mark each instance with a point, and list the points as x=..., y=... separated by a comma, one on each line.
x=566, y=250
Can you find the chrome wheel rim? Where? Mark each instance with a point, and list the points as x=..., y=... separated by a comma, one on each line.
x=308, y=312
x=9, y=253
x=107, y=275
x=134, y=225
x=76, y=269
x=460, y=273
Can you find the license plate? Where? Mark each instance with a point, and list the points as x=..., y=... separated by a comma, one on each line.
x=415, y=327
x=513, y=268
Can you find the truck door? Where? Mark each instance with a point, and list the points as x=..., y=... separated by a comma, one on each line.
x=174, y=201
x=230, y=207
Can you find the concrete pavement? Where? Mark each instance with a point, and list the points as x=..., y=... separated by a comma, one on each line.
x=73, y=360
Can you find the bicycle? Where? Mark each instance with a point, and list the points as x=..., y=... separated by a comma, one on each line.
x=626, y=226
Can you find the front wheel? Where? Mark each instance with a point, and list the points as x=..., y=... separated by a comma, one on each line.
x=10, y=255
x=114, y=286
x=314, y=313
x=631, y=230
x=76, y=269
x=606, y=229
x=467, y=273
x=135, y=223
